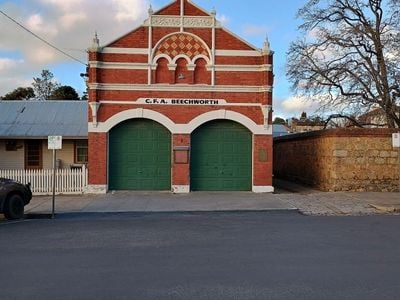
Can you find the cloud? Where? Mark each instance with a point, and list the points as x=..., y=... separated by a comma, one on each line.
x=36, y=24
x=128, y=9
x=296, y=105
x=8, y=63
x=71, y=20
x=69, y=25
x=224, y=19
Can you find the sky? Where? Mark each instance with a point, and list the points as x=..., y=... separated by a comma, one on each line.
x=70, y=26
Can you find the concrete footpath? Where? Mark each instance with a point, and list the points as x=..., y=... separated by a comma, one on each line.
x=287, y=197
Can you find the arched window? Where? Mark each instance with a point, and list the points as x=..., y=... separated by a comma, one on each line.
x=182, y=74
x=201, y=75
x=163, y=75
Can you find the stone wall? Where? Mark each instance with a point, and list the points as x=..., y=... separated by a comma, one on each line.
x=339, y=159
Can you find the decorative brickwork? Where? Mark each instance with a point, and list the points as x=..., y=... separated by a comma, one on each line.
x=182, y=44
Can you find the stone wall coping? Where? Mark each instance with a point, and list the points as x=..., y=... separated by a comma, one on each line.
x=338, y=132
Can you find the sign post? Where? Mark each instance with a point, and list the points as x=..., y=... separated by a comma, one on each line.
x=54, y=142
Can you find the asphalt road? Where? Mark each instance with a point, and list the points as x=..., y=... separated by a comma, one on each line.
x=250, y=255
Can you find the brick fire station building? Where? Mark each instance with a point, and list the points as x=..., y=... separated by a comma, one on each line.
x=180, y=104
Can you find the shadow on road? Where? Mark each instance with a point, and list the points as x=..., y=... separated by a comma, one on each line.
x=289, y=187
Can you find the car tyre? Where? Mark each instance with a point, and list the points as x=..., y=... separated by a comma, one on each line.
x=14, y=208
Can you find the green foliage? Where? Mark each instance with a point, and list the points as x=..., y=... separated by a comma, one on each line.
x=280, y=121
x=21, y=93
x=64, y=92
x=85, y=96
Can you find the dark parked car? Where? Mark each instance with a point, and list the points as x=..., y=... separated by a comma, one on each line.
x=13, y=197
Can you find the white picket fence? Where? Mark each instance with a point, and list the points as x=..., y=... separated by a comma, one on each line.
x=68, y=181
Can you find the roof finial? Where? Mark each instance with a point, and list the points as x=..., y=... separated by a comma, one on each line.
x=213, y=12
x=266, y=46
x=95, y=42
x=150, y=10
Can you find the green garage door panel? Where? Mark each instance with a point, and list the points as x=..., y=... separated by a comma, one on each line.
x=221, y=157
x=140, y=156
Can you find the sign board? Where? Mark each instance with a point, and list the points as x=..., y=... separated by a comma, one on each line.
x=54, y=142
x=169, y=101
x=396, y=140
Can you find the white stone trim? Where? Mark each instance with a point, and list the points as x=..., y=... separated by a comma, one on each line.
x=162, y=55
x=246, y=53
x=228, y=115
x=115, y=50
x=180, y=88
x=243, y=68
x=179, y=21
x=263, y=189
x=106, y=126
x=181, y=189
x=119, y=65
x=207, y=59
x=96, y=189
x=133, y=114
x=181, y=56
x=145, y=66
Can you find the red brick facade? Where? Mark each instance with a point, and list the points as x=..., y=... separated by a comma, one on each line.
x=180, y=52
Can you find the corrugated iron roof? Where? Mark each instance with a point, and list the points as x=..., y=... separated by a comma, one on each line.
x=39, y=119
x=279, y=130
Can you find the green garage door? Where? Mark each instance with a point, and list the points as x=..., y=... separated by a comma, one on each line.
x=139, y=156
x=221, y=157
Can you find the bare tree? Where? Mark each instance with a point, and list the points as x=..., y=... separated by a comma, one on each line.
x=45, y=85
x=349, y=57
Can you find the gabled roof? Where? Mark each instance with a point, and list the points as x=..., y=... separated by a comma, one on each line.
x=173, y=9
x=279, y=130
x=39, y=119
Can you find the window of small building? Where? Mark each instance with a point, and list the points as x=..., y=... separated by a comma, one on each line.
x=33, y=154
x=81, y=152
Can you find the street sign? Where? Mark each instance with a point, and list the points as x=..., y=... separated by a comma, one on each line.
x=396, y=140
x=54, y=142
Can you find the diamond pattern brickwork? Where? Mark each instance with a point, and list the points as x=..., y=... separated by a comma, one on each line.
x=181, y=43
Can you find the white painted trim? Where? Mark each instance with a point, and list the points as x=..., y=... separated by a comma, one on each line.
x=162, y=55
x=106, y=126
x=201, y=56
x=180, y=88
x=263, y=189
x=141, y=103
x=181, y=56
x=181, y=189
x=149, y=46
x=247, y=53
x=119, y=65
x=115, y=50
x=227, y=115
x=134, y=114
x=145, y=66
x=182, y=13
x=243, y=68
x=96, y=189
